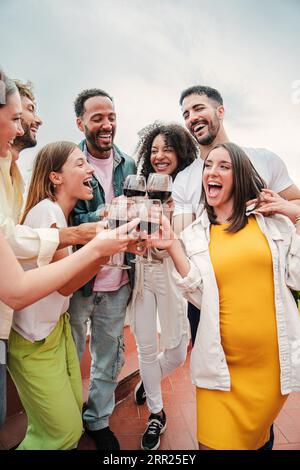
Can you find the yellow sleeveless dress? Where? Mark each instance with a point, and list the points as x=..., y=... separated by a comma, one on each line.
x=241, y=418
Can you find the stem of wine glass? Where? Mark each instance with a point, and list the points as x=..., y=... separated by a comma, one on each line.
x=149, y=255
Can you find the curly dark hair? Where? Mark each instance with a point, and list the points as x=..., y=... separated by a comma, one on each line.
x=175, y=135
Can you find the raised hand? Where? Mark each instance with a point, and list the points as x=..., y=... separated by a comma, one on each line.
x=271, y=203
x=166, y=236
x=118, y=240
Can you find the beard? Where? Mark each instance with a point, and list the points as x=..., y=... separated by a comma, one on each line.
x=206, y=139
x=26, y=140
x=91, y=137
x=213, y=129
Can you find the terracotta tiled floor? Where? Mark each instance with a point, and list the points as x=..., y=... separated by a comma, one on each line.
x=128, y=420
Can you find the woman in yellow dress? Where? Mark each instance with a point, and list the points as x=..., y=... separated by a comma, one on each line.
x=237, y=266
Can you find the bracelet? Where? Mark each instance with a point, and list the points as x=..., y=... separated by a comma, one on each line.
x=297, y=219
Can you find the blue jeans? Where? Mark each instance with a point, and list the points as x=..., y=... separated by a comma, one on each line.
x=106, y=311
x=2, y=381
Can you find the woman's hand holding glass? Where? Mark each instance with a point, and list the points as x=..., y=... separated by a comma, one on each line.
x=165, y=238
x=119, y=238
x=121, y=220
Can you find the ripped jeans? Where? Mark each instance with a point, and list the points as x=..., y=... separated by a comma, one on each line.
x=106, y=311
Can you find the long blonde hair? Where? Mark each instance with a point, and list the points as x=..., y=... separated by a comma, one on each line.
x=50, y=158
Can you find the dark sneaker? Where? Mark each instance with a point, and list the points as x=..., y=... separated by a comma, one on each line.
x=139, y=394
x=104, y=439
x=156, y=426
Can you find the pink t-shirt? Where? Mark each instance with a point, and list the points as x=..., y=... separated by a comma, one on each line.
x=108, y=279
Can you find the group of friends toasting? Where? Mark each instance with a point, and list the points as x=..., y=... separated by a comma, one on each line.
x=194, y=230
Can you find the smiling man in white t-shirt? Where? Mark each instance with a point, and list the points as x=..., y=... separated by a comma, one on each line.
x=203, y=113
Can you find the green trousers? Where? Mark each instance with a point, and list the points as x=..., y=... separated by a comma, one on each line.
x=47, y=376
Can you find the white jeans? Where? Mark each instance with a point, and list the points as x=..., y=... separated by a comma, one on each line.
x=154, y=365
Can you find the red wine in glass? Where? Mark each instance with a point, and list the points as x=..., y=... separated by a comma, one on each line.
x=134, y=186
x=128, y=192
x=163, y=196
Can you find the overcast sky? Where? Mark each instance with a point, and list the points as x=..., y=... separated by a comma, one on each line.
x=144, y=53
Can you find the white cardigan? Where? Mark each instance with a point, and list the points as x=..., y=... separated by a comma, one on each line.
x=208, y=362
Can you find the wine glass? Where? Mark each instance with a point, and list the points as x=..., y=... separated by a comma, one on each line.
x=134, y=186
x=150, y=212
x=159, y=186
x=119, y=213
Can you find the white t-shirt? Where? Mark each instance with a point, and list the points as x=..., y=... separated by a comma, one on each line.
x=38, y=320
x=187, y=186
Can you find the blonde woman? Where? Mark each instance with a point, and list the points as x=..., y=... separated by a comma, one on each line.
x=43, y=360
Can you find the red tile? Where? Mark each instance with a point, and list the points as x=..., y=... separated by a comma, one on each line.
x=85, y=389
x=293, y=401
x=279, y=437
x=164, y=442
x=131, y=365
x=184, y=396
x=126, y=408
x=181, y=385
x=181, y=373
x=180, y=440
x=143, y=412
x=166, y=385
x=127, y=426
x=287, y=447
x=288, y=424
x=130, y=344
x=130, y=442
x=189, y=413
x=172, y=409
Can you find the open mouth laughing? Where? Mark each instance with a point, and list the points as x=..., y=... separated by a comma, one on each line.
x=161, y=166
x=104, y=136
x=214, y=189
x=88, y=183
x=199, y=126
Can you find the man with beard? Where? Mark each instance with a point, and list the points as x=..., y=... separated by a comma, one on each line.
x=29, y=119
x=102, y=301
x=203, y=113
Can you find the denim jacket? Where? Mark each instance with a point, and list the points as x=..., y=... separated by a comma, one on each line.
x=88, y=211
x=208, y=362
